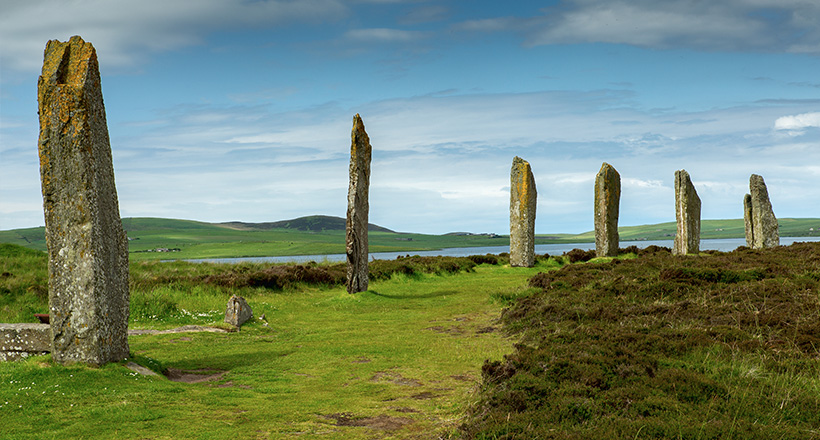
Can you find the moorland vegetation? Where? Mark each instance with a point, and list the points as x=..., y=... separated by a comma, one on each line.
x=718, y=346
x=645, y=345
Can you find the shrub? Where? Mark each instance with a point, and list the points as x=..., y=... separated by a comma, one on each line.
x=581, y=255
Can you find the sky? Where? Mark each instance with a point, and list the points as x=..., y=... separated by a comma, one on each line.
x=239, y=110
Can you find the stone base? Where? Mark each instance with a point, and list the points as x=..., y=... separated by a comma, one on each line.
x=21, y=340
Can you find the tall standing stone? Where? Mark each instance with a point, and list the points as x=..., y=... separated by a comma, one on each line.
x=357, y=208
x=523, y=198
x=87, y=247
x=759, y=216
x=687, y=214
x=747, y=220
x=607, y=200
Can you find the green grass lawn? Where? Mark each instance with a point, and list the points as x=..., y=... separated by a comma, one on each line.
x=401, y=360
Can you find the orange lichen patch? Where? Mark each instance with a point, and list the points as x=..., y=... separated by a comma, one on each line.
x=358, y=137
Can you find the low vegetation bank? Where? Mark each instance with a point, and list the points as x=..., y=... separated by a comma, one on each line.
x=724, y=345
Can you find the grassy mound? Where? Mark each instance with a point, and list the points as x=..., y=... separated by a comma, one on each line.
x=723, y=345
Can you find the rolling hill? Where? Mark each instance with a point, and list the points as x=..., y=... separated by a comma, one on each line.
x=316, y=223
x=157, y=238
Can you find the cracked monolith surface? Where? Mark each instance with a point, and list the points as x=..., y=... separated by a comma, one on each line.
x=687, y=214
x=759, y=216
x=523, y=198
x=87, y=247
x=607, y=199
x=747, y=220
x=357, y=208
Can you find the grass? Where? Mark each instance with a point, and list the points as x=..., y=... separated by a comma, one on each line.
x=646, y=345
x=205, y=240
x=23, y=283
x=398, y=361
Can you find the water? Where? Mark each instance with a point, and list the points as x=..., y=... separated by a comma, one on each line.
x=723, y=244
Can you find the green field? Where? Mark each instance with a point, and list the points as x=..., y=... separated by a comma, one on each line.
x=192, y=239
x=401, y=360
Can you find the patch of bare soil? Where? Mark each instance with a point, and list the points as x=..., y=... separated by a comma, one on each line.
x=395, y=378
x=462, y=377
x=483, y=330
x=194, y=376
x=381, y=422
x=183, y=329
x=446, y=330
x=427, y=395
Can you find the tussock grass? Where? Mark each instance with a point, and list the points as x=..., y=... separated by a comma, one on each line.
x=724, y=345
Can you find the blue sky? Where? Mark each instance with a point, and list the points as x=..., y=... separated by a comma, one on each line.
x=222, y=110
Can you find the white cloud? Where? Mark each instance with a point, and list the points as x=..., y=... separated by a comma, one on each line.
x=727, y=25
x=124, y=31
x=798, y=122
x=384, y=35
x=440, y=163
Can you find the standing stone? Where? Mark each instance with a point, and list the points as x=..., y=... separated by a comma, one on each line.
x=759, y=216
x=87, y=247
x=687, y=214
x=607, y=199
x=747, y=220
x=237, y=311
x=522, y=214
x=357, y=208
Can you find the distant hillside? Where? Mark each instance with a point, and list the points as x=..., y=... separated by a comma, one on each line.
x=316, y=223
x=151, y=238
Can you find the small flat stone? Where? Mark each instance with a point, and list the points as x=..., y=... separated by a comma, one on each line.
x=140, y=369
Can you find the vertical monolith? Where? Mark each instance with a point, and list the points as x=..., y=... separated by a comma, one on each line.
x=747, y=220
x=357, y=208
x=523, y=198
x=687, y=214
x=87, y=247
x=607, y=200
x=765, y=231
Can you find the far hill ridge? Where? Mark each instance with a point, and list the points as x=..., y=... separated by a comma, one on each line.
x=315, y=223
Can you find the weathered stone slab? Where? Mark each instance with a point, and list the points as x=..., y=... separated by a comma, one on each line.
x=765, y=232
x=88, y=250
x=238, y=311
x=133, y=366
x=523, y=201
x=687, y=214
x=607, y=201
x=18, y=341
x=358, y=207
